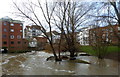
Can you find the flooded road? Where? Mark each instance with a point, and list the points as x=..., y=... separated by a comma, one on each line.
x=36, y=64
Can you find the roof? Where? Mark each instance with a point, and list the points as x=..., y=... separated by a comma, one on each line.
x=10, y=20
x=41, y=39
x=54, y=32
x=84, y=28
x=105, y=27
x=27, y=26
x=34, y=26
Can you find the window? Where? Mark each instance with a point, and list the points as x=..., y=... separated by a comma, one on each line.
x=5, y=42
x=4, y=36
x=12, y=36
x=4, y=23
x=20, y=24
x=5, y=30
x=12, y=30
x=20, y=30
x=81, y=42
x=12, y=24
x=33, y=30
x=12, y=42
x=19, y=42
x=33, y=34
x=107, y=30
x=103, y=36
x=18, y=36
x=118, y=28
x=25, y=42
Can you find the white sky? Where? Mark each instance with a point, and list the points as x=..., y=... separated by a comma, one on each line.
x=5, y=8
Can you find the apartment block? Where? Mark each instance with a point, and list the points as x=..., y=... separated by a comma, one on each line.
x=107, y=34
x=12, y=34
x=83, y=35
x=32, y=31
x=34, y=35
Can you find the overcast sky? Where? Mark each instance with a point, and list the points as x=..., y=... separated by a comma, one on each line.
x=5, y=8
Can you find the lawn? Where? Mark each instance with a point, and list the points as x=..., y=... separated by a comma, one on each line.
x=89, y=50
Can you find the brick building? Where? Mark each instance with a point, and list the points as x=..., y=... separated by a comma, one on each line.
x=41, y=42
x=107, y=34
x=12, y=34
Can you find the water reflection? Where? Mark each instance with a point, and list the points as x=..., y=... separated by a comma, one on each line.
x=36, y=64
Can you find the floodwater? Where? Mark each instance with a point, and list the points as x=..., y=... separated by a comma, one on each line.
x=36, y=64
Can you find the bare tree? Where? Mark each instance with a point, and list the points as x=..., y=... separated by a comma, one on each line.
x=34, y=16
x=70, y=17
x=111, y=15
x=67, y=16
x=116, y=6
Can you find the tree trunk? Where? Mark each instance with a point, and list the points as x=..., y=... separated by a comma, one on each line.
x=100, y=57
x=54, y=53
x=72, y=54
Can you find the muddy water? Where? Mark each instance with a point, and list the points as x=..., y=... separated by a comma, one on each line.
x=36, y=64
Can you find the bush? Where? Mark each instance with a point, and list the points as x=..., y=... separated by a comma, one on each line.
x=20, y=51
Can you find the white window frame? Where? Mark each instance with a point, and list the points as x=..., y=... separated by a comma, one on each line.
x=118, y=28
x=20, y=30
x=11, y=24
x=4, y=23
x=21, y=25
x=11, y=30
x=11, y=36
